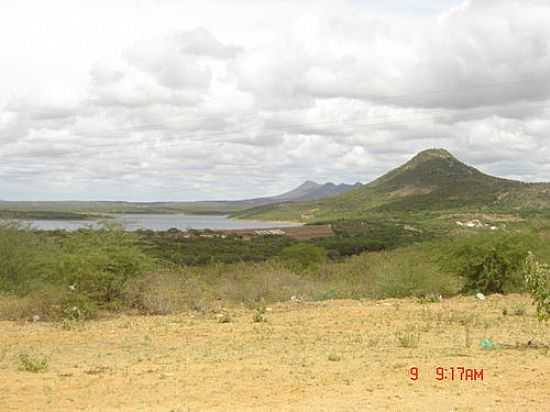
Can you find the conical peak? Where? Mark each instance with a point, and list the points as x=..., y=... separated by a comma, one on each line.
x=434, y=153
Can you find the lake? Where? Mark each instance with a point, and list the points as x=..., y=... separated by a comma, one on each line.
x=134, y=222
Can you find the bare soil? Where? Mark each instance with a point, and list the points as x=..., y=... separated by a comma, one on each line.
x=325, y=356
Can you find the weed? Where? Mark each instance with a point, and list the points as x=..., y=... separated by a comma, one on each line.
x=430, y=298
x=33, y=363
x=334, y=357
x=223, y=317
x=259, y=315
x=519, y=310
x=325, y=295
x=70, y=324
x=408, y=339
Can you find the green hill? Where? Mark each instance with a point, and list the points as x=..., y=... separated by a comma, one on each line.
x=433, y=180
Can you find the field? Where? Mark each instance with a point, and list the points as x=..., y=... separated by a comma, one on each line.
x=339, y=355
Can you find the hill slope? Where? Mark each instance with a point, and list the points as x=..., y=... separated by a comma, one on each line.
x=432, y=180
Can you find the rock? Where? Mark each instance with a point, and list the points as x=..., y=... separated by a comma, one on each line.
x=480, y=296
x=35, y=318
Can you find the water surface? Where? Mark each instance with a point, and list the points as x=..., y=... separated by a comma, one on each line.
x=134, y=222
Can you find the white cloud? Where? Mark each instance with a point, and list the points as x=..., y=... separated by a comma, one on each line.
x=171, y=101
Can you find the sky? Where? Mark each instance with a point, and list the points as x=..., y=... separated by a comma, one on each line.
x=158, y=100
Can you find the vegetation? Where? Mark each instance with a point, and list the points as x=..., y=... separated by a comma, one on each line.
x=83, y=270
x=33, y=363
x=352, y=238
x=304, y=256
x=45, y=215
x=488, y=262
x=76, y=275
x=181, y=251
x=537, y=278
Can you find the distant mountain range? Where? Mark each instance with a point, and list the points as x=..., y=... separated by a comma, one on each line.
x=432, y=180
x=310, y=191
x=307, y=191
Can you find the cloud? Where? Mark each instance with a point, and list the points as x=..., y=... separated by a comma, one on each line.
x=200, y=42
x=180, y=103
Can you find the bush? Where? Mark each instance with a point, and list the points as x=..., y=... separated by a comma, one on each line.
x=32, y=363
x=53, y=273
x=537, y=278
x=403, y=272
x=302, y=256
x=98, y=263
x=25, y=258
x=488, y=263
x=409, y=272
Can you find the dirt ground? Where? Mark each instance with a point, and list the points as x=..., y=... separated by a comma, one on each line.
x=325, y=356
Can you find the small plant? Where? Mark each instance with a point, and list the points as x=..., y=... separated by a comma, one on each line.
x=537, y=279
x=409, y=339
x=223, y=317
x=73, y=313
x=430, y=298
x=334, y=357
x=329, y=294
x=373, y=341
x=70, y=324
x=259, y=315
x=33, y=363
x=519, y=310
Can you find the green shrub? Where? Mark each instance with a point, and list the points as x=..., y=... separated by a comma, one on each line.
x=488, y=263
x=25, y=258
x=537, y=279
x=409, y=272
x=100, y=262
x=302, y=256
x=403, y=272
x=56, y=272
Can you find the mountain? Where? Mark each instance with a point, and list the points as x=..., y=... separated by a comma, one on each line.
x=432, y=180
x=312, y=191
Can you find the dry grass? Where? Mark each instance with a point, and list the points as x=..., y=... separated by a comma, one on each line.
x=332, y=356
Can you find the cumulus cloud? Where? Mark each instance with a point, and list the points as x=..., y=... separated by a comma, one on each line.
x=180, y=104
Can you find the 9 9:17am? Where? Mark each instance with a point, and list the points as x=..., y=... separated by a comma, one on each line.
x=451, y=374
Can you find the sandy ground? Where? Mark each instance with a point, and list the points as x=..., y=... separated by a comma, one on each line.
x=326, y=356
